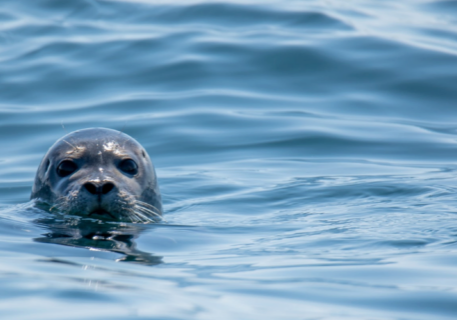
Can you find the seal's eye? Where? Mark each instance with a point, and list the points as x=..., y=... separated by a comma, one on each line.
x=66, y=168
x=128, y=166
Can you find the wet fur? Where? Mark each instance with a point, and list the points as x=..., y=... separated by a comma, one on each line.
x=134, y=199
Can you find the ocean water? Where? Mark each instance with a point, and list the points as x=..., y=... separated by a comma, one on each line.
x=306, y=152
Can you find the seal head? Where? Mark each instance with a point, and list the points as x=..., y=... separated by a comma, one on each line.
x=99, y=173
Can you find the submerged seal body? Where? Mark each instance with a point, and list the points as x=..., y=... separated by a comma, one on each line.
x=99, y=173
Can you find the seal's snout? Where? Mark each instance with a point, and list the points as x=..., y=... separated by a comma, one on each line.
x=99, y=189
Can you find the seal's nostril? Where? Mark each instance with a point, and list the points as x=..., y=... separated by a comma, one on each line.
x=107, y=187
x=90, y=187
x=97, y=189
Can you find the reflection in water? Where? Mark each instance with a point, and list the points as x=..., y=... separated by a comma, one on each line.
x=98, y=235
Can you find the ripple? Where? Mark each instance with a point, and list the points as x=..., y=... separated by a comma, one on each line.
x=305, y=152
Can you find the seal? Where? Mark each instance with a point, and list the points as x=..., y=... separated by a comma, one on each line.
x=99, y=173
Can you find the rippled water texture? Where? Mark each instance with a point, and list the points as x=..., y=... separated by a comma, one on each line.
x=306, y=153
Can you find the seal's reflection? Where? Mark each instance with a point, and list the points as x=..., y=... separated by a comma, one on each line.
x=98, y=235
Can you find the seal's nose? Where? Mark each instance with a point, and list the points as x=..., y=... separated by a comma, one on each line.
x=99, y=189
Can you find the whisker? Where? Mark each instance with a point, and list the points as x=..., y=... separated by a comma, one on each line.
x=59, y=204
x=70, y=144
x=147, y=211
x=128, y=209
x=66, y=132
x=133, y=217
x=145, y=204
x=141, y=213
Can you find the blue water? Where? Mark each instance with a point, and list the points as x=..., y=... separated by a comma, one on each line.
x=306, y=153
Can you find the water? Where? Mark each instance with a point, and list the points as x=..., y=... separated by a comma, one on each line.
x=306, y=153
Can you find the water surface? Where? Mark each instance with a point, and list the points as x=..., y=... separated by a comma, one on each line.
x=306, y=153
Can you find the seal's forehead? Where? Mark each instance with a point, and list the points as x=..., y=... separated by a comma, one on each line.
x=112, y=146
x=95, y=140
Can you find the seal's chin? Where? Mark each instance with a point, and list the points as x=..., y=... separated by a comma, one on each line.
x=101, y=212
